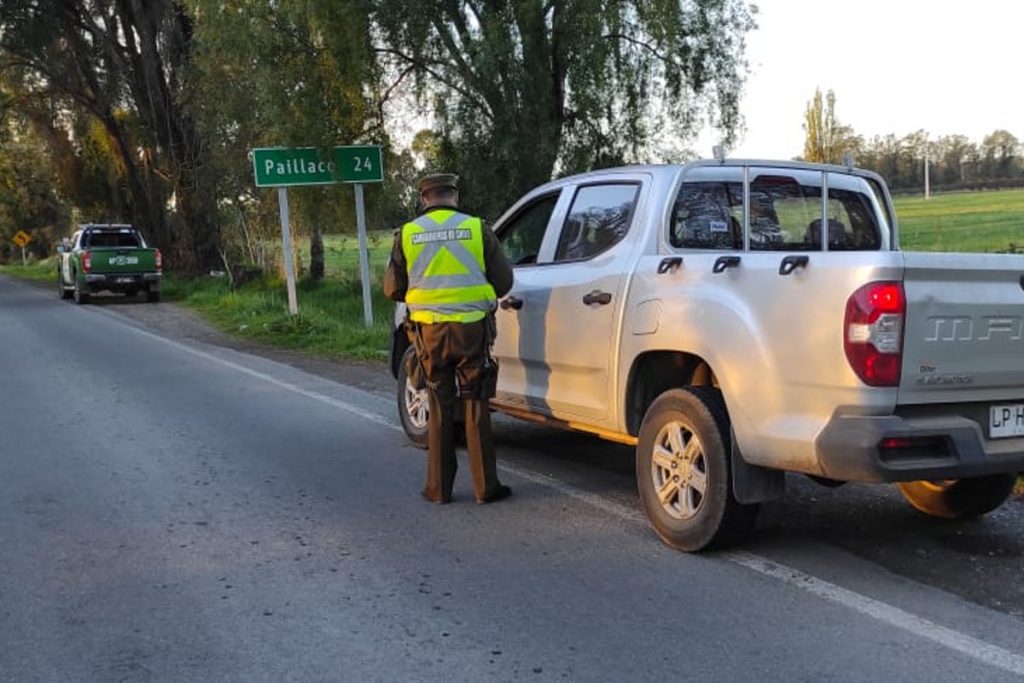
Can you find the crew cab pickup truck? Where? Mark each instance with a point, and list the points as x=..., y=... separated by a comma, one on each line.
x=111, y=258
x=736, y=320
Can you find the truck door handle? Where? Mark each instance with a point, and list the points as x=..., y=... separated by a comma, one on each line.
x=669, y=264
x=512, y=302
x=724, y=262
x=597, y=297
x=791, y=263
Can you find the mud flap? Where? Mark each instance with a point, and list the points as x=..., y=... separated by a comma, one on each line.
x=754, y=484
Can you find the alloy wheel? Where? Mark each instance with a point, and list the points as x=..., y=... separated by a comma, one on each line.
x=679, y=471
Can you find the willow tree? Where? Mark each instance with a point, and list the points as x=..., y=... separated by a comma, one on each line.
x=292, y=73
x=104, y=57
x=523, y=89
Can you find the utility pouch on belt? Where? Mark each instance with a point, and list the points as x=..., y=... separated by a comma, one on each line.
x=489, y=379
x=414, y=361
x=489, y=376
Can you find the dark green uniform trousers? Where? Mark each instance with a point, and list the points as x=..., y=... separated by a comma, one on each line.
x=453, y=356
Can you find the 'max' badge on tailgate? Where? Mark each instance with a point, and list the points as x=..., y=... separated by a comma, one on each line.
x=123, y=260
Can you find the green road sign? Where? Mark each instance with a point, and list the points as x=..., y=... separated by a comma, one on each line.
x=282, y=167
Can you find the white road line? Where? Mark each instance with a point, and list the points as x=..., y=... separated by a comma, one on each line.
x=601, y=503
x=972, y=647
x=334, y=402
x=954, y=640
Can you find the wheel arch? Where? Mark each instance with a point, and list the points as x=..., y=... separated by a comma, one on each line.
x=654, y=372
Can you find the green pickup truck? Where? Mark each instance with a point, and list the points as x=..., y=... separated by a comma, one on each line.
x=108, y=257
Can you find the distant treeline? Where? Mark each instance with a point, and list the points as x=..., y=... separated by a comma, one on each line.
x=954, y=161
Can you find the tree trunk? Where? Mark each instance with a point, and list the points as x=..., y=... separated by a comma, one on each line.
x=316, y=256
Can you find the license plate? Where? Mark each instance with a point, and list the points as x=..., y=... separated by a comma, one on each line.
x=124, y=280
x=1006, y=421
x=124, y=260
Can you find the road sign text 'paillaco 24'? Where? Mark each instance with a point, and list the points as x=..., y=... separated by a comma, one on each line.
x=284, y=167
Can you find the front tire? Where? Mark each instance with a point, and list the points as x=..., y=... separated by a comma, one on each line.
x=61, y=289
x=684, y=472
x=959, y=498
x=413, y=411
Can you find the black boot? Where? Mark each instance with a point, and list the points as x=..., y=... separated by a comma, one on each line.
x=501, y=492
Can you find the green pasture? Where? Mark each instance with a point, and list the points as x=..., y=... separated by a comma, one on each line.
x=987, y=221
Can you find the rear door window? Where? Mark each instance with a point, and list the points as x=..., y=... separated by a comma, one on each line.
x=598, y=220
x=708, y=215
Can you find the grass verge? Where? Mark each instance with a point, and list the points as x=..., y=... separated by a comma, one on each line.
x=41, y=271
x=330, y=320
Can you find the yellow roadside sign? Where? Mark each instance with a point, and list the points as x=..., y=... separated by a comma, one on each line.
x=21, y=239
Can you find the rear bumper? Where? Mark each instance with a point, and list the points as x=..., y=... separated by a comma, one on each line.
x=122, y=282
x=931, y=447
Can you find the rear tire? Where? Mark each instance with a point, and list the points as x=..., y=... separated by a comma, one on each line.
x=80, y=296
x=152, y=297
x=959, y=498
x=684, y=472
x=413, y=411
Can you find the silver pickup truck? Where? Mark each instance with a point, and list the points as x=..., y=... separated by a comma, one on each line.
x=736, y=320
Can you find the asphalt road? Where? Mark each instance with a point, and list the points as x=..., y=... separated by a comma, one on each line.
x=176, y=510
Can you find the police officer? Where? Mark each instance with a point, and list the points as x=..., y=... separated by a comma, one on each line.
x=450, y=270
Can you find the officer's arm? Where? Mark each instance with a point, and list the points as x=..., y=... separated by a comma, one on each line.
x=499, y=270
x=396, y=277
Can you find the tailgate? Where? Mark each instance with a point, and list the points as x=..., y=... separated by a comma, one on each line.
x=964, y=334
x=123, y=260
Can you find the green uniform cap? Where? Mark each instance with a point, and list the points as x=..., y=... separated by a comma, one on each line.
x=436, y=180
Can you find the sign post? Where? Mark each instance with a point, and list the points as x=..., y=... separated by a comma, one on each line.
x=286, y=167
x=22, y=239
x=286, y=248
x=364, y=256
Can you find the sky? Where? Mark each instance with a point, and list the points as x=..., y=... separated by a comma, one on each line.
x=896, y=66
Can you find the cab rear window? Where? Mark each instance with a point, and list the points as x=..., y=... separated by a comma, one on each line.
x=786, y=215
x=110, y=239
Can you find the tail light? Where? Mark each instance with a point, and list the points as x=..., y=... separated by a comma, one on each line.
x=86, y=261
x=874, y=333
x=159, y=259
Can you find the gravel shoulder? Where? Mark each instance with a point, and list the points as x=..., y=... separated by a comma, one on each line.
x=178, y=322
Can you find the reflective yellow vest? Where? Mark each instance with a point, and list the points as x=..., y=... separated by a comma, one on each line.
x=444, y=255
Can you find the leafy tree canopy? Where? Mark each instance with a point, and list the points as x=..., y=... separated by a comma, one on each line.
x=526, y=88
